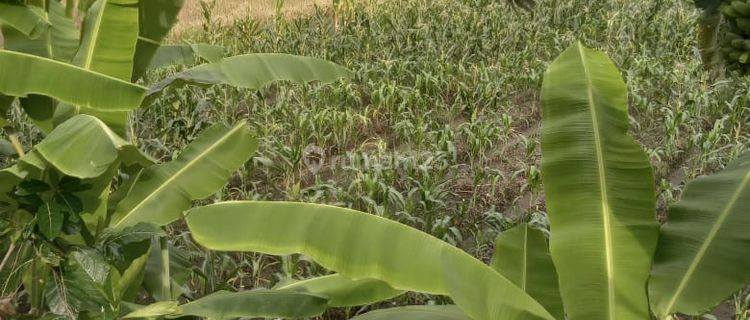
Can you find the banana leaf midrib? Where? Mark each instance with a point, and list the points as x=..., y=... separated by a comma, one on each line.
x=602, y=183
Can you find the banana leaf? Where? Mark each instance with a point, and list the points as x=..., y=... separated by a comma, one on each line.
x=522, y=255
x=254, y=71
x=185, y=54
x=29, y=20
x=702, y=256
x=599, y=187
x=82, y=147
x=23, y=74
x=344, y=292
x=363, y=246
x=162, y=192
x=157, y=19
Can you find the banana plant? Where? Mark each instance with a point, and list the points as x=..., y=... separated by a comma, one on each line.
x=73, y=248
x=606, y=256
x=709, y=33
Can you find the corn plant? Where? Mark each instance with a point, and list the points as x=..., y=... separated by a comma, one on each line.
x=607, y=258
x=71, y=247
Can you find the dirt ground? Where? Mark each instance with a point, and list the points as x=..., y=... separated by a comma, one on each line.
x=228, y=10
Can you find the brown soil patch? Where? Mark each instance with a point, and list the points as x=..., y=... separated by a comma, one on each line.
x=226, y=11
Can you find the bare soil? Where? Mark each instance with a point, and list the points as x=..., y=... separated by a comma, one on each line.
x=226, y=11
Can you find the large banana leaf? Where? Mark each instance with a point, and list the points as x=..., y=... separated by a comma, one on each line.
x=23, y=74
x=157, y=18
x=415, y=313
x=245, y=304
x=58, y=42
x=109, y=32
x=185, y=54
x=253, y=71
x=364, y=246
x=82, y=147
x=256, y=303
x=599, y=188
x=522, y=255
x=164, y=191
x=702, y=256
x=344, y=292
x=109, y=39
x=29, y=20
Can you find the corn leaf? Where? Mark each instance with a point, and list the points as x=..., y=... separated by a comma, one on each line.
x=363, y=246
x=162, y=192
x=599, y=188
x=703, y=250
x=344, y=292
x=23, y=74
x=415, y=313
x=522, y=255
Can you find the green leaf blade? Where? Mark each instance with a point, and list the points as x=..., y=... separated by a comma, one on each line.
x=110, y=33
x=362, y=246
x=599, y=188
x=522, y=255
x=39, y=77
x=50, y=219
x=169, y=55
x=82, y=147
x=255, y=303
x=29, y=20
x=254, y=71
x=164, y=191
x=702, y=256
x=157, y=17
x=344, y=292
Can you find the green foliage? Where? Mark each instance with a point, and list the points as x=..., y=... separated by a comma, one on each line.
x=344, y=292
x=114, y=266
x=601, y=206
x=701, y=260
x=74, y=248
x=326, y=234
x=522, y=255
